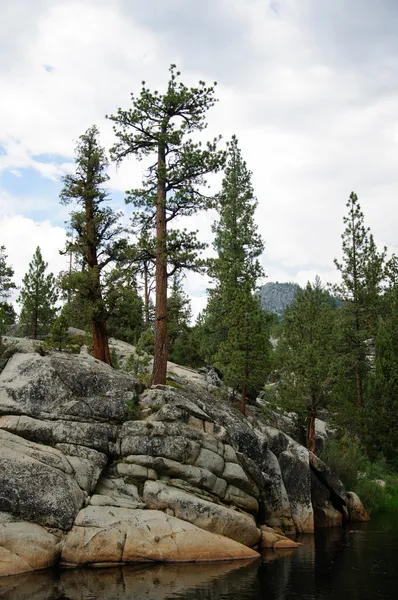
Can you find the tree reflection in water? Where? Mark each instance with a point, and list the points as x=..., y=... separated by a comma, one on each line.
x=341, y=564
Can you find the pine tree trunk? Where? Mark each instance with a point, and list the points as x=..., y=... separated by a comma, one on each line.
x=356, y=306
x=359, y=387
x=100, y=341
x=244, y=392
x=35, y=321
x=146, y=298
x=310, y=434
x=160, y=358
x=243, y=400
x=358, y=379
x=98, y=321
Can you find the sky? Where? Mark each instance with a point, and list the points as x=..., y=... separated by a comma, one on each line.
x=309, y=87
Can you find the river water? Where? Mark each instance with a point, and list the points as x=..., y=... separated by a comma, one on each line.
x=358, y=562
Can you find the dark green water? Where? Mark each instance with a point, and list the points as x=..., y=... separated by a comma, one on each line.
x=354, y=563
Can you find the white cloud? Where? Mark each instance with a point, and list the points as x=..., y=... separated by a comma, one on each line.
x=309, y=88
x=21, y=236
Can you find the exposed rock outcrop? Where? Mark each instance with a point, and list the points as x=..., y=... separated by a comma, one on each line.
x=192, y=480
x=356, y=509
x=106, y=536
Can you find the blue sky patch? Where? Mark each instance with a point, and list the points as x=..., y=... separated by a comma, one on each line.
x=49, y=158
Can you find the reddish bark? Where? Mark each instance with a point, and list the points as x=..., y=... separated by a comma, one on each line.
x=98, y=321
x=160, y=359
x=100, y=341
x=146, y=298
x=310, y=433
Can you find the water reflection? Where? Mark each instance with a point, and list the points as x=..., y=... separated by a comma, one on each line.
x=338, y=563
x=334, y=564
x=152, y=582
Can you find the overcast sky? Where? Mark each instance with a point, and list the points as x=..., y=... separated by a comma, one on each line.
x=310, y=88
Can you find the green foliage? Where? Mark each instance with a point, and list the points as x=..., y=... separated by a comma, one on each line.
x=6, y=352
x=8, y=316
x=37, y=297
x=345, y=456
x=179, y=315
x=114, y=358
x=304, y=353
x=174, y=384
x=146, y=343
x=377, y=486
x=124, y=306
x=159, y=126
x=380, y=414
x=74, y=290
x=59, y=332
x=235, y=327
x=6, y=275
x=372, y=495
x=159, y=121
x=237, y=242
x=60, y=339
x=138, y=362
x=79, y=340
x=98, y=237
x=187, y=349
x=362, y=272
x=133, y=409
x=96, y=226
x=244, y=356
x=7, y=312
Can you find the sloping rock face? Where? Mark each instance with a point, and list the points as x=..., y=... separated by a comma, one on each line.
x=104, y=536
x=192, y=480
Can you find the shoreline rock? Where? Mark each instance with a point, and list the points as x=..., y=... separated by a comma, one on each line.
x=193, y=480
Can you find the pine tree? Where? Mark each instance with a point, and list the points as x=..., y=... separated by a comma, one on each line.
x=7, y=312
x=140, y=264
x=59, y=332
x=38, y=297
x=124, y=305
x=304, y=356
x=179, y=316
x=362, y=271
x=236, y=314
x=381, y=409
x=244, y=356
x=158, y=125
x=98, y=239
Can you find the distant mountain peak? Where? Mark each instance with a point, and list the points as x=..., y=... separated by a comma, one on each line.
x=276, y=297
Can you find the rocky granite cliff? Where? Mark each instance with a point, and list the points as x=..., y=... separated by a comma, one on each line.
x=276, y=297
x=84, y=482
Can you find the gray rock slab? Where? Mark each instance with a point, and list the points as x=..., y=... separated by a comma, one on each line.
x=206, y=515
x=37, y=483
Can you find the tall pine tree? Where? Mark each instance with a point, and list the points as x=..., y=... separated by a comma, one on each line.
x=37, y=297
x=159, y=126
x=179, y=311
x=381, y=409
x=97, y=238
x=238, y=321
x=362, y=271
x=304, y=356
